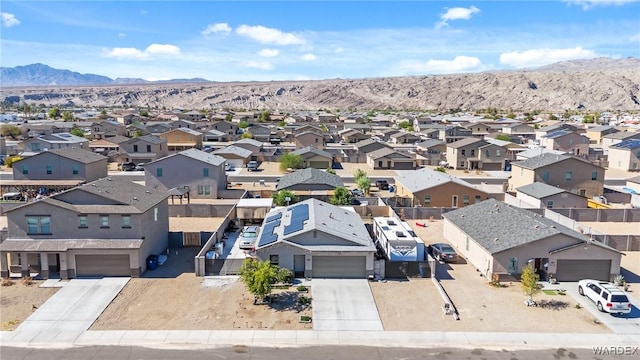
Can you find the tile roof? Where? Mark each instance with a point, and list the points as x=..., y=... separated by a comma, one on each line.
x=540, y=190
x=425, y=178
x=309, y=176
x=513, y=226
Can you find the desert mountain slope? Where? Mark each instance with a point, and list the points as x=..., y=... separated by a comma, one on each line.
x=598, y=84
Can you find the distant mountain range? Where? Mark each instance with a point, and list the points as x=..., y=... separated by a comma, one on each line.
x=44, y=75
x=601, y=84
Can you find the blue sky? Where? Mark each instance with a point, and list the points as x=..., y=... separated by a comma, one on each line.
x=299, y=40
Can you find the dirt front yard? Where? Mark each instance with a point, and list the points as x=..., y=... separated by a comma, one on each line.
x=18, y=301
x=184, y=303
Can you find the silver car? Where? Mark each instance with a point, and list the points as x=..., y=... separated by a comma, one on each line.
x=248, y=237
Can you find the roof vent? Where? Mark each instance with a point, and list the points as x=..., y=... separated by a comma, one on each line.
x=553, y=226
x=495, y=239
x=108, y=179
x=536, y=226
x=135, y=198
x=148, y=192
x=94, y=185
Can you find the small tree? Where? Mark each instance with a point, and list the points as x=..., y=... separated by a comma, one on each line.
x=330, y=171
x=441, y=169
x=405, y=125
x=529, y=281
x=503, y=137
x=265, y=116
x=67, y=116
x=10, y=130
x=280, y=198
x=258, y=276
x=247, y=135
x=290, y=161
x=54, y=113
x=229, y=117
x=341, y=196
x=358, y=174
x=553, y=117
x=284, y=276
x=282, y=123
x=77, y=132
x=364, y=184
x=144, y=112
x=243, y=124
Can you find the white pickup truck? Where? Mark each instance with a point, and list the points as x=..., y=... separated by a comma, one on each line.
x=606, y=296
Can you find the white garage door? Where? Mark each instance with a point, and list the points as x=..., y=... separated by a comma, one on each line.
x=574, y=270
x=353, y=267
x=102, y=265
x=235, y=163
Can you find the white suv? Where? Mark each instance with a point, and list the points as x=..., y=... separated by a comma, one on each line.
x=606, y=296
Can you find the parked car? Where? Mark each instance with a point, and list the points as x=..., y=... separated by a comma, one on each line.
x=248, y=237
x=128, y=166
x=443, y=252
x=252, y=166
x=140, y=167
x=382, y=184
x=228, y=167
x=15, y=196
x=606, y=296
x=357, y=192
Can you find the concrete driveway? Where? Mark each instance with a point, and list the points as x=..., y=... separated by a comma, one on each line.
x=619, y=324
x=344, y=304
x=74, y=307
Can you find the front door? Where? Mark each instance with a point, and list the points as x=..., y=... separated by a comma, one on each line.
x=298, y=266
x=454, y=201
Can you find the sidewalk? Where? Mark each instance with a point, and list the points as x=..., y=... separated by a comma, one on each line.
x=265, y=338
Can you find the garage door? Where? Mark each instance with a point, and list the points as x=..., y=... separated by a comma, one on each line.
x=574, y=270
x=235, y=163
x=319, y=164
x=102, y=265
x=339, y=267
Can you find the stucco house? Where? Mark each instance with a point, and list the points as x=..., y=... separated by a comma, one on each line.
x=596, y=133
x=259, y=132
x=104, y=228
x=352, y=136
x=541, y=195
x=453, y=133
x=54, y=141
x=573, y=174
x=520, y=237
x=143, y=149
x=567, y=141
x=615, y=138
x=430, y=188
x=182, y=139
x=200, y=172
x=520, y=130
x=309, y=139
x=99, y=129
x=390, y=159
x=315, y=158
x=473, y=153
x=543, y=131
x=235, y=156
x=404, y=137
x=61, y=164
x=309, y=179
x=625, y=155
x=316, y=239
x=229, y=128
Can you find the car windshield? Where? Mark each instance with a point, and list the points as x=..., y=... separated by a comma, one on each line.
x=249, y=234
x=619, y=298
x=447, y=249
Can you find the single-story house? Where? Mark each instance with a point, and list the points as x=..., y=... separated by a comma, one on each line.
x=309, y=179
x=315, y=158
x=390, y=159
x=235, y=156
x=541, y=195
x=316, y=239
x=500, y=239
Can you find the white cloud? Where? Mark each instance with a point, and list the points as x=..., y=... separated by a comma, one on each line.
x=8, y=20
x=121, y=35
x=262, y=65
x=269, y=53
x=137, y=54
x=265, y=35
x=456, y=13
x=635, y=38
x=219, y=28
x=308, y=57
x=163, y=49
x=338, y=50
x=540, y=57
x=457, y=65
x=588, y=4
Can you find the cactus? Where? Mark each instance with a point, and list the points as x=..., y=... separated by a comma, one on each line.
x=619, y=280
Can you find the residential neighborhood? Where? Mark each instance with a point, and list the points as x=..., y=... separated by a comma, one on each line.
x=358, y=218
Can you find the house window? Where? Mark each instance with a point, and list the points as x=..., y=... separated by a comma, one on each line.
x=594, y=175
x=274, y=259
x=427, y=199
x=461, y=163
x=477, y=199
x=159, y=172
x=638, y=154
x=473, y=152
x=545, y=175
x=135, y=148
x=35, y=147
x=39, y=225
x=379, y=163
x=25, y=169
x=104, y=221
x=549, y=204
x=498, y=152
x=570, y=141
x=126, y=221
x=487, y=153
x=568, y=175
x=155, y=214
x=316, y=140
x=82, y=221
x=465, y=199
x=204, y=189
x=148, y=148
x=463, y=152
x=513, y=265
x=205, y=172
x=75, y=169
x=49, y=169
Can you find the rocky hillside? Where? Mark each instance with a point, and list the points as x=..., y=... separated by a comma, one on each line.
x=599, y=84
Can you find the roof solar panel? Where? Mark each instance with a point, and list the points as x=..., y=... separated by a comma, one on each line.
x=271, y=218
x=267, y=236
x=299, y=214
x=627, y=144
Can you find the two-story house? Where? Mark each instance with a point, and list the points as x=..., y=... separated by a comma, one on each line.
x=556, y=127
x=403, y=137
x=615, y=138
x=463, y=154
x=104, y=228
x=99, y=129
x=625, y=155
x=142, y=149
x=229, y=129
x=61, y=164
x=309, y=139
x=567, y=141
x=54, y=141
x=182, y=139
x=573, y=174
x=520, y=130
x=595, y=133
x=202, y=173
x=259, y=132
x=453, y=133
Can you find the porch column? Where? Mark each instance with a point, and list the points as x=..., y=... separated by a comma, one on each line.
x=4, y=266
x=44, y=265
x=24, y=264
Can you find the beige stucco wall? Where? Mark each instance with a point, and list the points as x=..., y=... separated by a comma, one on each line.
x=581, y=177
x=473, y=253
x=623, y=159
x=442, y=195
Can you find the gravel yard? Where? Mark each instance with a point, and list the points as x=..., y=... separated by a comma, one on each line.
x=17, y=302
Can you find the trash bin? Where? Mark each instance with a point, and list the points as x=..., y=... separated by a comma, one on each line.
x=152, y=262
